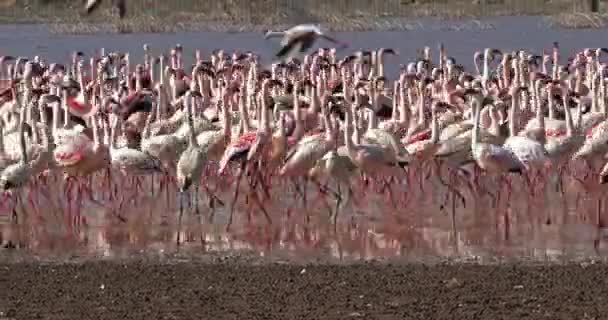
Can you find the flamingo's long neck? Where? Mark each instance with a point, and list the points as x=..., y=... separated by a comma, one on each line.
x=373, y=68
x=579, y=114
x=594, y=92
x=550, y=105
x=244, y=105
x=189, y=106
x=348, y=131
x=160, y=104
x=55, y=109
x=380, y=64
x=2, y=138
x=395, y=102
x=495, y=124
x=555, y=61
x=138, y=82
x=264, y=110
x=434, y=126
x=373, y=120
x=66, y=113
x=297, y=114
x=569, y=122
x=486, y=67
x=161, y=66
x=404, y=109
x=329, y=129
x=96, y=142
x=30, y=121
x=506, y=79
x=512, y=111
x=356, y=120
x=476, y=104
x=539, y=111
x=476, y=60
x=92, y=74
x=421, y=102
x=602, y=96
x=314, y=99
x=226, y=121
x=22, y=148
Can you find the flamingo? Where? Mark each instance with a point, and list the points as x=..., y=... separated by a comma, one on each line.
x=425, y=150
x=304, y=155
x=530, y=152
x=460, y=119
x=379, y=136
x=190, y=165
x=131, y=161
x=216, y=141
x=369, y=158
x=299, y=39
x=16, y=175
x=239, y=149
x=561, y=151
x=491, y=157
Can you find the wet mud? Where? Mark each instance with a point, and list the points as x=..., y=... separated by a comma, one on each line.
x=245, y=287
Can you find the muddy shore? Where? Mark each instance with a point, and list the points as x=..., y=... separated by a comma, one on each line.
x=240, y=287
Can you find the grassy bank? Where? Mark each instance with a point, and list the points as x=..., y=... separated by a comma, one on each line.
x=253, y=15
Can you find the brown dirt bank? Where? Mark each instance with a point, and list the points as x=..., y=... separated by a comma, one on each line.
x=234, y=288
x=248, y=15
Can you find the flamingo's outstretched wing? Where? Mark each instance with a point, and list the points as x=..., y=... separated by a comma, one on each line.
x=92, y=5
x=289, y=49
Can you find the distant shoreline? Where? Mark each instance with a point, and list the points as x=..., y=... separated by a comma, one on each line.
x=155, y=16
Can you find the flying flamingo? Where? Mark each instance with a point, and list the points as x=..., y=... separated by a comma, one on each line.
x=299, y=39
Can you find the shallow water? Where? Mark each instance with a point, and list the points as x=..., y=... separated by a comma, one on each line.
x=373, y=231
x=461, y=38
x=414, y=225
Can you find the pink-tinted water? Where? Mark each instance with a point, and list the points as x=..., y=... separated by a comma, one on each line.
x=419, y=225
x=548, y=224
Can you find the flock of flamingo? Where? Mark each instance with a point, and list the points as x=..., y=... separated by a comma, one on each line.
x=337, y=129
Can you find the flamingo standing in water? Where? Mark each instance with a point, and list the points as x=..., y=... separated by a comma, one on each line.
x=190, y=164
x=238, y=150
x=15, y=176
x=491, y=157
x=131, y=161
x=324, y=155
x=530, y=152
x=370, y=158
x=304, y=155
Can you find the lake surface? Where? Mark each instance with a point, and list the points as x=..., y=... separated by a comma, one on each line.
x=461, y=38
